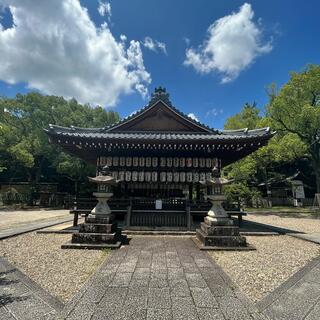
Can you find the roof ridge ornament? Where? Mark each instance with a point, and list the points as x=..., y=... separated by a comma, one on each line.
x=160, y=93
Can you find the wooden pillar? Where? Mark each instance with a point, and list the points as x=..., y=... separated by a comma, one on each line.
x=198, y=191
x=190, y=191
x=128, y=216
x=188, y=213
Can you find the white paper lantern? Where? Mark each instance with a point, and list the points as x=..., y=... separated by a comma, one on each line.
x=195, y=162
x=128, y=161
x=122, y=161
x=154, y=176
x=141, y=162
x=196, y=177
x=163, y=176
x=182, y=162
x=141, y=176
x=115, y=174
x=163, y=162
x=189, y=162
x=202, y=162
x=134, y=176
x=115, y=161
x=176, y=162
x=182, y=176
x=148, y=162
x=109, y=161
x=169, y=162
x=135, y=161
x=169, y=176
x=208, y=162
x=147, y=176
x=154, y=162
x=189, y=176
x=128, y=175
x=121, y=175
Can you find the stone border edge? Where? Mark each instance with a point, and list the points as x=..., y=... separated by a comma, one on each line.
x=44, y=295
x=285, y=286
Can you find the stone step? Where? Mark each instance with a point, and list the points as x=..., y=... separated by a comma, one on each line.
x=92, y=246
x=85, y=237
x=221, y=241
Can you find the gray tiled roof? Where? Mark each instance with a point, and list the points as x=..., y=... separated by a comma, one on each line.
x=101, y=133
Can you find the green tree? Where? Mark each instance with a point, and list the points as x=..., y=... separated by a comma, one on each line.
x=282, y=149
x=24, y=146
x=247, y=118
x=296, y=110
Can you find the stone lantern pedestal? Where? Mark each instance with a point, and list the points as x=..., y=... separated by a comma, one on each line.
x=100, y=229
x=217, y=231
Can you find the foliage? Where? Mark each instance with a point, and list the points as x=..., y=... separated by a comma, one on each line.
x=258, y=167
x=240, y=191
x=24, y=147
x=296, y=110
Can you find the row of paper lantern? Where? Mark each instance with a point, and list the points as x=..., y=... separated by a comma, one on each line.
x=155, y=162
x=154, y=176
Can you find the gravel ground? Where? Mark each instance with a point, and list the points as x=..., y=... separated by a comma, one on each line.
x=307, y=225
x=61, y=272
x=259, y=272
x=18, y=218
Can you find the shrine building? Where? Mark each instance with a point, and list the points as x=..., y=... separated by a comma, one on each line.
x=159, y=155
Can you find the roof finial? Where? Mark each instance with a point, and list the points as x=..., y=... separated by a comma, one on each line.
x=160, y=93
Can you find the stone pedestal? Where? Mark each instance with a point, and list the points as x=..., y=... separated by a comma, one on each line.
x=217, y=231
x=99, y=229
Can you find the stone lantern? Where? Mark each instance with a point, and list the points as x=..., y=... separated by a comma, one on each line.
x=217, y=231
x=99, y=230
x=105, y=182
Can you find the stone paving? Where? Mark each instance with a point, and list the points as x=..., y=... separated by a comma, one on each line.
x=23, y=299
x=160, y=279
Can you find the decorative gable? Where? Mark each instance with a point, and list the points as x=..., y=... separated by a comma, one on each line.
x=159, y=116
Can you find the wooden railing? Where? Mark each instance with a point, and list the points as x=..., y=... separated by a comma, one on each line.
x=159, y=219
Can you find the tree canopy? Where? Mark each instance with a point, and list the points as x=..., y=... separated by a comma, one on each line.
x=295, y=110
x=25, y=153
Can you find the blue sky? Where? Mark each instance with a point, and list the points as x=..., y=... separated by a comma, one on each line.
x=60, y=49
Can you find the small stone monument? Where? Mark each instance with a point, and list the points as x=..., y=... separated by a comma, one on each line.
x=217, y=232
x=100, y=229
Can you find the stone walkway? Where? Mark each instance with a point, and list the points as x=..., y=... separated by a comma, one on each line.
x=160, y=279
x=23, y=299
x=297, y=298
x=312, y=237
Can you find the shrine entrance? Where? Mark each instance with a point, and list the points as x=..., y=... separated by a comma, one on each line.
x=159, y=213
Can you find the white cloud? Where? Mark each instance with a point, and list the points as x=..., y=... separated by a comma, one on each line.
x=104, y=9
x=54, y=47
x=193, y=116
x=233, y=43
x=154, y=45
x=214, y=112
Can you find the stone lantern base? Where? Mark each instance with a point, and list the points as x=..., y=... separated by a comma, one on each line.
x=217, y=232
x=99, y=230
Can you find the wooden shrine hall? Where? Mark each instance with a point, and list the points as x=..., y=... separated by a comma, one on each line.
x=159, y=155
